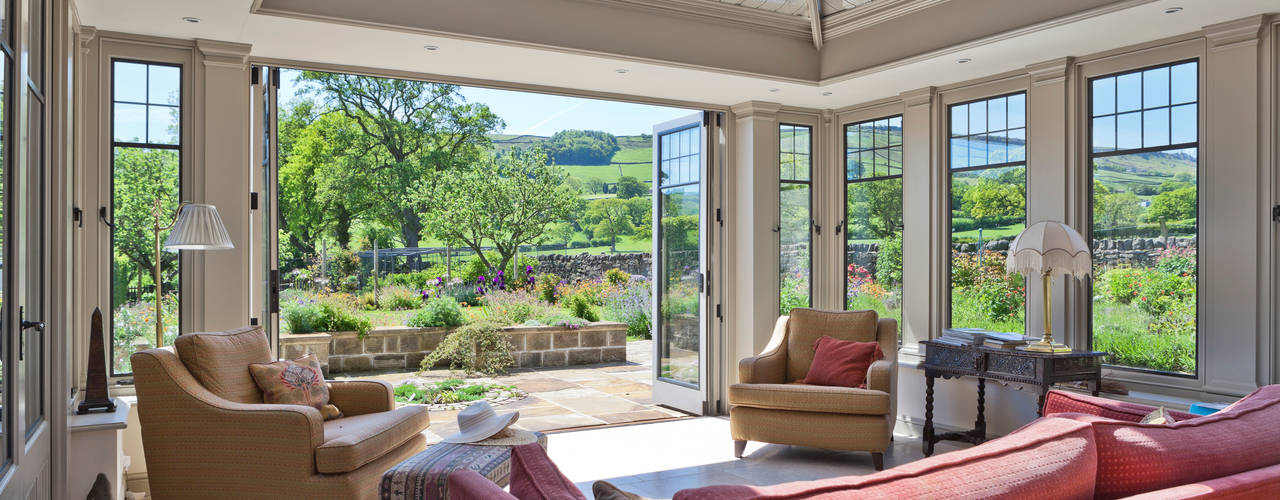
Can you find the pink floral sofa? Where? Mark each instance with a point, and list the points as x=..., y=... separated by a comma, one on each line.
x=1084, y=447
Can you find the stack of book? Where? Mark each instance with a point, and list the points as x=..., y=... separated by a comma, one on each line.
x=1005, y=340
x=978, y=336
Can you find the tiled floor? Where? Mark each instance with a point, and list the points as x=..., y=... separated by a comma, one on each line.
x=565, y=398
x=658, y=459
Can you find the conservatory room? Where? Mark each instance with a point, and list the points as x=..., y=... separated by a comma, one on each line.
x=640, y=249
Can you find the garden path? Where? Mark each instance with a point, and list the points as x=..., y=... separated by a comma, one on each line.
x=563, y=398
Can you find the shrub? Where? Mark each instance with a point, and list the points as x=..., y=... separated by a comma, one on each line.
x=617, y=277
x=438, y=312
x=793, y=292
x=367, y=301
x=478, y=347
x=633, y=305
x=336, y=316
x=1121, y=284
x=889, y=261
x=547, y=288
x=417, y=280
x=565, y=321
x=399, y=298
x=514, y=308
x=1177, y=260
x=302, y=319
x=468, y=298
x=581, y=307
x=1159, y=292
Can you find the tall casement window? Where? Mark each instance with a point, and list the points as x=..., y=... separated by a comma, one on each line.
x=795, y=195
x=987, y=158
x=146, y=163
x=873, y=219
x=1144, y=137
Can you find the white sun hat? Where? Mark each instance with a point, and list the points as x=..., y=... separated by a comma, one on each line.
x=479, y=422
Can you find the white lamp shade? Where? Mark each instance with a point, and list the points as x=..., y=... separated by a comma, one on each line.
x=199, y=227
x=1049, y=246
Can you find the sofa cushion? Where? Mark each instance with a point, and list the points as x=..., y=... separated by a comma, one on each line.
x=1049, y=458
x=535, y=477
x=295, y=382
x=816, y=398
x=1069, y=402
x=1257, y=483
x=351, y=442
x=806, y=326
x=842, y=363
x=220, y=361
x=1136, y=458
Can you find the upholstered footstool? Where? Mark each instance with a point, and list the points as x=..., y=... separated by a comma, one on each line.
x=425, y=476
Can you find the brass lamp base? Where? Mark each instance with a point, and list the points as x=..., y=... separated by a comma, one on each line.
x=1043, y=346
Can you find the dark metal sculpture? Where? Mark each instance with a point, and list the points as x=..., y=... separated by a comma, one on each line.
x=95, y=393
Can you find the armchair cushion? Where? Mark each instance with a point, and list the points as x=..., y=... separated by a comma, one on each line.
x=814, y=398
x=220, y=361
x=296, y=382
x=806, y=326
x=352, y=442
x=842, y=363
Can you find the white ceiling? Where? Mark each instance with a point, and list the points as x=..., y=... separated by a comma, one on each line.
x=302, y=40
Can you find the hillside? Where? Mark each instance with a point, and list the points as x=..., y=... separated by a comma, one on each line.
x=635, y=158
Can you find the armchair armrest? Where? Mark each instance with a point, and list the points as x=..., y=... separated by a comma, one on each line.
x=359, y=397
x=467, y=484
x=880, y=376
x=770, y=366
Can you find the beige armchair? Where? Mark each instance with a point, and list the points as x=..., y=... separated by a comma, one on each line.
x=207, y=434
x=769, y=404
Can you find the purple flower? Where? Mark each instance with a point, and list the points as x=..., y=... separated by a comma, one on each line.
x=528, y=269
x=440, y=280
x=481, y=279
x=479, y=291
x=499, y=275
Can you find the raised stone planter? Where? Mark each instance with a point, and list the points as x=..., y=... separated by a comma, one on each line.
x=403, y=348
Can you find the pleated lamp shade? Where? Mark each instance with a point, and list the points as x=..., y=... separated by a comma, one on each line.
x=199, y=227
x=1049, y=246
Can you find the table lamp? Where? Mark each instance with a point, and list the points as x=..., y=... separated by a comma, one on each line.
x=1049, y=248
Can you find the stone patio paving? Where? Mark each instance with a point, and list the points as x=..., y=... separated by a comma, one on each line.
x=563, y=398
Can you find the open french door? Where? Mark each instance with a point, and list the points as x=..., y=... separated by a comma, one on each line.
x=684, y=151
x=265, y=298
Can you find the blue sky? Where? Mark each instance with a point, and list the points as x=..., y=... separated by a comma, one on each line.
x=543, y=114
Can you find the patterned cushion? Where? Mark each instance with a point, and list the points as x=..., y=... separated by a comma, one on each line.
x=220, y=361
x=816, y=398
x=1069, y=402
x=1136, y=458
x=535, y=477
x=352, y=442
x=297, y=382
x=806, y=326
x=1050, y=458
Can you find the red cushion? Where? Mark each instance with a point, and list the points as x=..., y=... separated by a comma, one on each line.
x=1257, y=483
x=1049, y=458
x=466, y=484
x=1136, y=458
x=535, y=477
x=842, y=362
x=1069, y=402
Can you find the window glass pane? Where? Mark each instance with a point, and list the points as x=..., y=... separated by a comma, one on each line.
x=996, y=114
x=793, y=236
x=130, y=82
x=978, y=151
x=881, y=133
x=1104, y=133
x=988, y=209
x=959, y=152
x=895, y=131
x=977, y=117
x=1155, y=128
x=997, y=147
x=960, y=120
x=873, y=247
x=1104, y=96
x=1017, y=145
x=1155, y=87
x=163, y=85
x=1185, y=124
x=162, y=125
x=679, y=289
x=1017, y=110
x=1129, y=131
x=1128, y=92
x=130, y=123
x=802, y=140
x=1185, y=83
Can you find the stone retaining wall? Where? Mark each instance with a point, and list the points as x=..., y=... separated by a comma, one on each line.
x=403, y=348
x=588, y=266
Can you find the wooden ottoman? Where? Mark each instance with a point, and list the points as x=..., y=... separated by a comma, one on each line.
x=425, y=476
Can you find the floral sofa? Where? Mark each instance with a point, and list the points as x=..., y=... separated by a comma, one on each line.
x=1084, y=447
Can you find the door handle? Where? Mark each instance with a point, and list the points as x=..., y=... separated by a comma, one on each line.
x=25, y=325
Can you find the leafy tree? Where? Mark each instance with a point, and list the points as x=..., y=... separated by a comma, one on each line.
x=582, y=147
x=504, y=202
x=1112, y=210
x=398, y=137
x=630, y=187
x=640, y=211
x=143, y=176
x=1171, y=185
x=560, y=232
x=1173, y=205
x=875, y=208
x=593, y=185
x=610, y=218
x=994, y=199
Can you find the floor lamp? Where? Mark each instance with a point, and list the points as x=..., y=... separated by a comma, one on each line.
x=196, y=227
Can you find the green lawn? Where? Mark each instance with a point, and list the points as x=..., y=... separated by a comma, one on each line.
x=610, y=173
x=990, y=233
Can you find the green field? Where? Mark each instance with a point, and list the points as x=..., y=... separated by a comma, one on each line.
x=635, y=159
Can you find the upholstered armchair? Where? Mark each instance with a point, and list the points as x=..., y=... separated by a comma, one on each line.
x=769, y=404
x=207, y=434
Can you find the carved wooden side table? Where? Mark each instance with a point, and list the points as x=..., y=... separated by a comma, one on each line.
x=1009, y=365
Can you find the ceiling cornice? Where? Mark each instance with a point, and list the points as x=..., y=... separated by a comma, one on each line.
x=851, y=20
x=720, y=13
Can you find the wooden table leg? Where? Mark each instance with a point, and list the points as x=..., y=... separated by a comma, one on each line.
x=928, y=415
x=1044, y=391
x=980, y=427
x=1097, y=383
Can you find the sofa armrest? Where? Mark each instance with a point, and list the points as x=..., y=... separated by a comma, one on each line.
x=880, y=376
x=467, y=484
x=1069, y=402
x=359, y=397
x=770, y=366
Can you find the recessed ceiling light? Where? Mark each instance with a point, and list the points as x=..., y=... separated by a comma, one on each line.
x=963, y=60
x=826, y=93
x=621, y=71
x=431, y=47
x=1173, y=10
x=191, y=20
x=774, y=90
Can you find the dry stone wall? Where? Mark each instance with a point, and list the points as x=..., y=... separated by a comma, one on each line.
x=584, y=266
